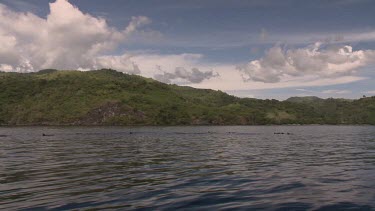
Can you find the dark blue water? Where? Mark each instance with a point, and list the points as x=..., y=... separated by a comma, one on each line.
x=190, y=168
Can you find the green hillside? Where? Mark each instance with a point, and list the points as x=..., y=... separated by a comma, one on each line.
x=107, y=97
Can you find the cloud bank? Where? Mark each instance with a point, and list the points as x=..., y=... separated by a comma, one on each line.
x=193, y=76
x=317, y=60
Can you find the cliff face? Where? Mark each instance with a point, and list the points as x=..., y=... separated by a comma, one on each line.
x=111, y=113
x=107, y=97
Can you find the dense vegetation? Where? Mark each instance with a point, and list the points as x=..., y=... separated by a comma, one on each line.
x=107, y=97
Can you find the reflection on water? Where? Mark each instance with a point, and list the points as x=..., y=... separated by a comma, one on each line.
x=306, y=168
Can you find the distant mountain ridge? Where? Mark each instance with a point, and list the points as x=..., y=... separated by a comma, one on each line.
x=108, y=97
x=312, y=99
x=305, y=99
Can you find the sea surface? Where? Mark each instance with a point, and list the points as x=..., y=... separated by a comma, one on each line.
x=188, y=168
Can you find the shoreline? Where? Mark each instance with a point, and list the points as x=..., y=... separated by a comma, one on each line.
x=268, y=125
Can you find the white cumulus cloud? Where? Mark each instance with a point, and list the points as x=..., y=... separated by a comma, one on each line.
x=175, y=68
x=66, y=39
x=193, y=76
x=70, y=39
x=317, y=60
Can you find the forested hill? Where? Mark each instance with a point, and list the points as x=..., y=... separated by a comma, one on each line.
x=107, y=97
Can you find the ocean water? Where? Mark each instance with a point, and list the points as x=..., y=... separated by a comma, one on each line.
x=189, y=168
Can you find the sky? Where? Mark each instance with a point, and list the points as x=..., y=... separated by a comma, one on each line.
x=266, y=49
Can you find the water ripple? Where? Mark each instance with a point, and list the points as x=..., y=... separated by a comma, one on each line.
x=190, y=168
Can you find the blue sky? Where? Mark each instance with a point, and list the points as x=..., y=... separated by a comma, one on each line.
x=259, y=48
